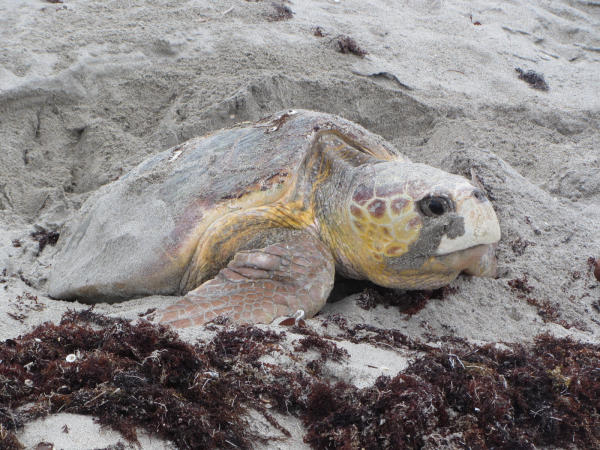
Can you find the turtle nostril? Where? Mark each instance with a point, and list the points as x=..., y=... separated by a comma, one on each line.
x=479, y=195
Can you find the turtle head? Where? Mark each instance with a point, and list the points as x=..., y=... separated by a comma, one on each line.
x=412, y=226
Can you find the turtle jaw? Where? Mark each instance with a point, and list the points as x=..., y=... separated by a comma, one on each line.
x=439, y=270
x=487, y=264
x=479, y=260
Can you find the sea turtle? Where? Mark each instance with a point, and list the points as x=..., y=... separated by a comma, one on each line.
x=253, y=221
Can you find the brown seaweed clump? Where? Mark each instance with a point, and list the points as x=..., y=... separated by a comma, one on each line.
x=328, y=350
x=407, y=302
x=319, y=32
x=280, y=12
x=548, y=311
x=130, y=376
x=44, y=237
x=346, y=44
x=534, y=79
x=594, y=263
x=198, y=396
x=477, y=397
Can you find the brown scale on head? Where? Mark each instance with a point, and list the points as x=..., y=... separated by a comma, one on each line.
x=383, y=219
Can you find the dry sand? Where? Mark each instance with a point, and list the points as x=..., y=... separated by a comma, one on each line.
x=88, y=89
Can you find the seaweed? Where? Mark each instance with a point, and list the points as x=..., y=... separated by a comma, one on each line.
x=130, y=375
x=25, y=280
x=143, y=375
x=407, y=302
x=390, y=414
x=594, y=264
x=521, y=285
x=548, y=311
x=23, y=304
x=281, y=12
x=519, y=397
x=148, y=312
x=476, y=23
x=8, y=439
x=534, y=79
x=319, y=32
x=519, y=245
x=345, y=44
x=327, y=349
x=370, y=334
x=44, y=237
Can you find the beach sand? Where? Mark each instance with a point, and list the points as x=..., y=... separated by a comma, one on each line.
x=90, y=89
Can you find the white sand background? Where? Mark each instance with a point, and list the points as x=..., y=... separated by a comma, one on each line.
x=88, y=89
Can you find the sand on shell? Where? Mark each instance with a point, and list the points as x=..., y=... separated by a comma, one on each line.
x=90, y=89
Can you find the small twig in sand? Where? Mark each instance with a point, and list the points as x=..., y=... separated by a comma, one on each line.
x=386, y=75
x=454, y=70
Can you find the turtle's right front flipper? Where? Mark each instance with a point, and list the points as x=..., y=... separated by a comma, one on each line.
x=260, y=285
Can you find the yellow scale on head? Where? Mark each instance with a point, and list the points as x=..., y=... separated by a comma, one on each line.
x=387, y=224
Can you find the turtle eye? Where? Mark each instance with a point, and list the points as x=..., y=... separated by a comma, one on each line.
x=435, y=205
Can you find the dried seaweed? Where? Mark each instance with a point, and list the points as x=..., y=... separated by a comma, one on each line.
x=378, y=337
x=548, y=311
x=280, y=12
x=23, y=305
x=345, y=44
x=131, y=376
x=128, y=376
x=327, y=349
x=518, y=397
x=534, y=79
x=407, y=302
x=521, y=285
x=594, y=263
x=44, y=237
x=519, y=245
x=8, y=439
x=319, y=31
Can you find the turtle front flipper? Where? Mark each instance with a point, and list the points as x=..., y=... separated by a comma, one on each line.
x=260, y=285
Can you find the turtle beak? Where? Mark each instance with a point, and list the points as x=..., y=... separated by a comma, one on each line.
x=479, y=261
x=481, y=226
x=475, y=250
x=484, y=263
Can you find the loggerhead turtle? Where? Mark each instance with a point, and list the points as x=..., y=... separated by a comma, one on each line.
x=253, y=221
